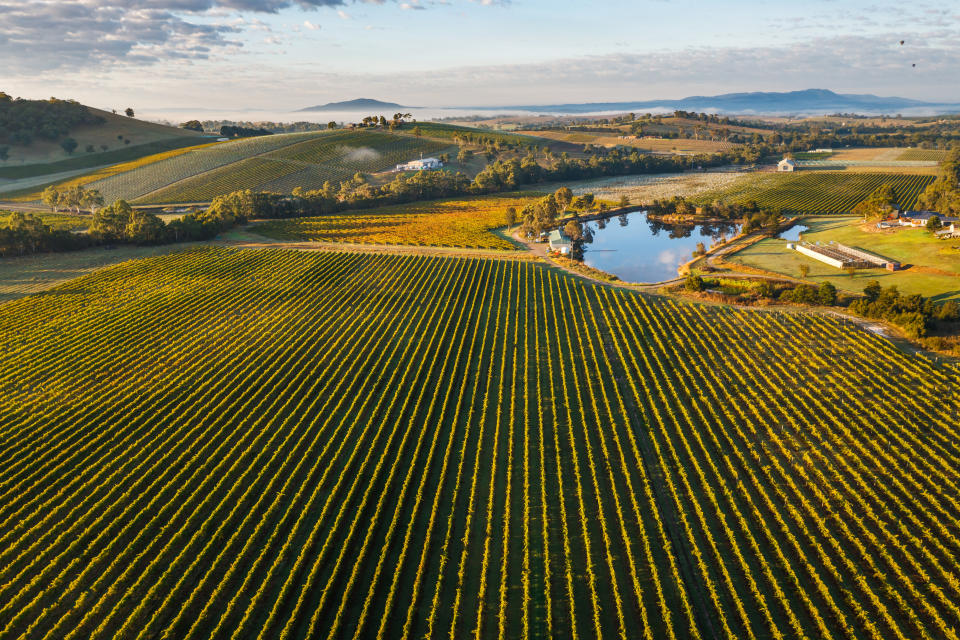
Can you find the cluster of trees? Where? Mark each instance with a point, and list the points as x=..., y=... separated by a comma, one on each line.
x=506, y=175
x=943, y=195
x=75, y=197
x=22, y=121
x=825, y=294
x=192, y=125
x=121, y=223
x=541, y=215
x=228, y=131
x=681, y=207
x=25, y=233
x=879, y=205
x=754, y=218
x=912, y=313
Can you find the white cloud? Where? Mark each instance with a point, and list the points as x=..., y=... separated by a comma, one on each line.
x=343, y=14
x=311, y=26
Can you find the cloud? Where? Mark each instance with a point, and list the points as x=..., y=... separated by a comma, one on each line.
x=343, y=14
x=37, y=35
x=311, y=26
x=44, y=35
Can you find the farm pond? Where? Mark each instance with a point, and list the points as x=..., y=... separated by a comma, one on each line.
x=637, y=249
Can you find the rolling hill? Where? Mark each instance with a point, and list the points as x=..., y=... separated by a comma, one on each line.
x=270, y=163
x=124, y=139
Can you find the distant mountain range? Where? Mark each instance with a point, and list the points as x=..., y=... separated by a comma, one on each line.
x=360, y=104
x=809, y=101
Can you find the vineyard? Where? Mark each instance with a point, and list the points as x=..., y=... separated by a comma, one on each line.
x=262, y=444
x=937, y=155
x=276, y=163
x=63, y=221
x=453, y=223
x=816, y=192
x=308, y=163
x=146, y=179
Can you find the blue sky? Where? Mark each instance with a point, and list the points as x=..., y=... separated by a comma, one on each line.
x=291, y=53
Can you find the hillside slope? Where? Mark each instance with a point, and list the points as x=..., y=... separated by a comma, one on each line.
x=119, y=134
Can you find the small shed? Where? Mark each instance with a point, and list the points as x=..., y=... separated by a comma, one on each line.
x=560, y=242
x=787, y=164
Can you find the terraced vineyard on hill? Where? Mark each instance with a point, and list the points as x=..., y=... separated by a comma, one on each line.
x=275, y=163
x=307, y=163
x=465, y=222
x=241, y=444
x=816, y=192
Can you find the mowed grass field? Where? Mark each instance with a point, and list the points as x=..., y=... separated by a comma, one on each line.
x=239, y=444
x=816, y=191
x=933, y=266
x=465, y=222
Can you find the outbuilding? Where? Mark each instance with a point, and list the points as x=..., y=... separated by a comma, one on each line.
x=787, y=164
x=423, y=164
x=560, y=242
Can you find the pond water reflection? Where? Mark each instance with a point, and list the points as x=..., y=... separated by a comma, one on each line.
x=637, y=249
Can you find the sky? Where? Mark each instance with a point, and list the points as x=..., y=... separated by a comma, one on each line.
x=288, y=54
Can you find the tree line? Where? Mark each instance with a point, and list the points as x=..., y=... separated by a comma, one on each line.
x=120, y=223
x=943, y=195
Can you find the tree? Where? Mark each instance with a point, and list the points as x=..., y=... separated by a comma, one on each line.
x=91, y=199
x=694, y=283
x=192, y=125
x=563, y=197
x=827, y=294
x=51, y=197
x=417, y=131
x=510, y=216
x=766, y=290
x=700, y=250
x=331, y=125
x=69, y=145
x=111, y=222
x=129, y=112
x=573, y=230
x=624, y=201
x=872, y=291
x=949, y=311
x=4, y=153
x=934, y=224
x=145, y=228
x=879, y=204
x=804, y=270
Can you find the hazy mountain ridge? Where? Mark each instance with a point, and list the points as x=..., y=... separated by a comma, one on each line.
x=804, y=101
x=358, y=104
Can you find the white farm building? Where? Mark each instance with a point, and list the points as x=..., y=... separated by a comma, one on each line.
x=787, y=164
x=423, y=164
